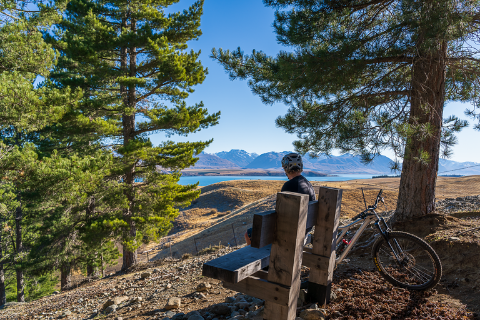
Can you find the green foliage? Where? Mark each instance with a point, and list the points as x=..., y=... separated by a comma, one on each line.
x=131, y=61
x=349, y=78
x=35, y=287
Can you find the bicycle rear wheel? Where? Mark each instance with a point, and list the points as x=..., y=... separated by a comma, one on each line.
x=407, y=261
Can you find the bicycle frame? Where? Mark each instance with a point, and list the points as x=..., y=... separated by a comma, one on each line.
x=342, y=230
x=365, y=218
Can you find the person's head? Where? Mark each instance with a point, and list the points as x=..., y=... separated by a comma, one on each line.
x=292, y=164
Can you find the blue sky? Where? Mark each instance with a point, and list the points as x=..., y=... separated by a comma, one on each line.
x=246, y=123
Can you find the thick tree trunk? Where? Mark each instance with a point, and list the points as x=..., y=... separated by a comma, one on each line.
x=128, y=120
x=3, y=295
x=417, y=184
x=65, y=276
x=19, y=247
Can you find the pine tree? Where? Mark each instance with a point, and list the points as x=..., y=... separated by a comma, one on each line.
x=25, y=107
x=130, y=60
x=364, y=76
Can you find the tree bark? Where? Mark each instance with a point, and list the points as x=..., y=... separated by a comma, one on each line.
x=19, y=247
x=92, y=271
x=3, y=295
x=417, y=184
x=128, y=120
x=65, y=276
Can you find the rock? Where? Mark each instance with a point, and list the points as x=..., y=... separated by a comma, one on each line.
x=116, y=300
x=337, y=314
x=118, y=318
x=111, y=309
x=179, y=316
x=145, y=275
x=220, y=309
x=137, y=299
x=192, y=313
x=298, y=318
x=203, y=286
x=195, y=317
x=234, y=314
x=230, y=300
x=242, y=304
x=168, y=286
x=312, y=314
x=454, y=239
x=333, y=296
x=302, y=296
x=173, y=303
x=169, y=314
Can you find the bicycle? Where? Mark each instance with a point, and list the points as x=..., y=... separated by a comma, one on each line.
x=403, y=259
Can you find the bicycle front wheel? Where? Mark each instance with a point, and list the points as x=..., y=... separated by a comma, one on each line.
x=407, y=261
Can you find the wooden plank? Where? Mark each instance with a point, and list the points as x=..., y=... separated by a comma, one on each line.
x=287, y=251
x=261, y=289
x=314, y=261
x=320, y=279
x=263, y=232
x=262, y=274
x=263, y=228
x=237, y=265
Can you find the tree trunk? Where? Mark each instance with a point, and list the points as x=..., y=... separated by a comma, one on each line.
x=417, y=184
x=128, y=120
x=19, y=247
x=92, y=271
x=3, y=296
x=102, y=267
x=65, y=276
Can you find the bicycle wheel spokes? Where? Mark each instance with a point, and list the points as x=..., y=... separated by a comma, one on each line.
x=407, y=261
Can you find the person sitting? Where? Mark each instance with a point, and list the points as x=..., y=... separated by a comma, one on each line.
x=292, y=164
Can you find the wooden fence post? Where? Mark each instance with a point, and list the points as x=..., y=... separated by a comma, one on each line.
x=286, y=254
x=328, y=216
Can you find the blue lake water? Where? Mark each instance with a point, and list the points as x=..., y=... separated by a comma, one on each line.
x=206, y=180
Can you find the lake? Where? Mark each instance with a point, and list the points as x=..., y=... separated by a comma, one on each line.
x=206, y=180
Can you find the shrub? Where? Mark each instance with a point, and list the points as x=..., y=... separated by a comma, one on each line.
x=210, y=249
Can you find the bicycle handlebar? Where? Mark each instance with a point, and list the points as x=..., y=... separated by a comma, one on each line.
x=370, y=208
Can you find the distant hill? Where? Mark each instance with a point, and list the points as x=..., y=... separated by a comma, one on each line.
x=347, y=163
x=211, y=161
x=453, y=167
x=239, y=157
x=342, y=164
x=269, y=160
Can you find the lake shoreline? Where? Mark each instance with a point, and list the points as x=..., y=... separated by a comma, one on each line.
x=247, y=172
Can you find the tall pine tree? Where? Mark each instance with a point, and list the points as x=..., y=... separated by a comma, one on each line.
x=364, y=76
x=24, y=106
x=130, y=59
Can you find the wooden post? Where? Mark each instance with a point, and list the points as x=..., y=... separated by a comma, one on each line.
x=320, y=279
x=234, y=237
x=286, y=252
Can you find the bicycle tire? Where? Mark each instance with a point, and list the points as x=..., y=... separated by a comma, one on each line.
x=420, y=267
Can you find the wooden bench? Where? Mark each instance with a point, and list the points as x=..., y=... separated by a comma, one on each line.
x=278, y=242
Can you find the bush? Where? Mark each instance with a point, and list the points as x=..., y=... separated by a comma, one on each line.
x=186, y=256
x=210, y=249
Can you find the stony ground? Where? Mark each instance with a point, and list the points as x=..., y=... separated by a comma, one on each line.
x=174, y=288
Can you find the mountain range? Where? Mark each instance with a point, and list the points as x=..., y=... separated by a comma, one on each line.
x=346, y=164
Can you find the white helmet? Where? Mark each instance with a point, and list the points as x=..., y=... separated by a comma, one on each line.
x=292, y=161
